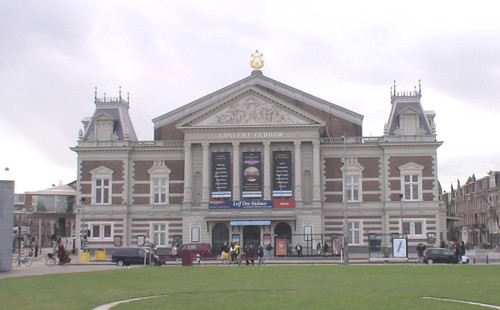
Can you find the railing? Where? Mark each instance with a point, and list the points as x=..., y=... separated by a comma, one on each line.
x=172, y=143
x=351, y=140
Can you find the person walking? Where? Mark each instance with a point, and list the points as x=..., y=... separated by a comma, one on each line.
x=325, y=249
x=318, y=248
x=260, y=254
x=420, y=251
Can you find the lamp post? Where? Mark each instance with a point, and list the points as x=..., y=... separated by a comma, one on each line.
x=401, y=212
x=344, y=199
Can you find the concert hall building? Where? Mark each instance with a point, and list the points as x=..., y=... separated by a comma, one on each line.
x=259, y=161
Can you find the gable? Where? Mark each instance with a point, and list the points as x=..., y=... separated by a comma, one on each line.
x=250, y=107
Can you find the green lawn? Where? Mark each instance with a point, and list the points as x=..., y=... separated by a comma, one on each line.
x=269, y=287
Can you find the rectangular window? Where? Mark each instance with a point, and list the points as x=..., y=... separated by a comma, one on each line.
x=413, y=228
x=102, y=191
x=418, y=228
x=195, y=234
x=160, y=234
x=100, y=231
x=160, y=190
x=354, y=233
x=411, y=183
x=352, y=187
x=406, y=228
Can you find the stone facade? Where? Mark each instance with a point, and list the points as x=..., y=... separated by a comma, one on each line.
x=258, y=161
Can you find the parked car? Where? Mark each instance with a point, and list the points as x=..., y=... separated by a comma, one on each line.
x=203, y=249
x=125, y=256
x=442, y=256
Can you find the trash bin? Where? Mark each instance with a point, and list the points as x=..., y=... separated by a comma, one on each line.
x=187, y=258
x=85, y=257
x=100, y=255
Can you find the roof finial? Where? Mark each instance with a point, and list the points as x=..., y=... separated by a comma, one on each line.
x=120, y=93
x=394, y=87
x=257, y=60
x=419, y=88
x=95, y=94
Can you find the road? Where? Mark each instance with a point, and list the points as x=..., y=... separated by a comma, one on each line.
x=40, y=268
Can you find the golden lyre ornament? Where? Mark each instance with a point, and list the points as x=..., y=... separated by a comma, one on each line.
x=257, y=60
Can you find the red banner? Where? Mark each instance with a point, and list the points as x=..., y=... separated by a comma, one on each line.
x=283, y=203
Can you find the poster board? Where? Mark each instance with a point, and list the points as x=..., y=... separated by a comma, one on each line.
x=281, y=247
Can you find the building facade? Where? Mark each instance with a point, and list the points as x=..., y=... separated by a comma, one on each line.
x=476, y=209
x=259, y=162
x=46, y=216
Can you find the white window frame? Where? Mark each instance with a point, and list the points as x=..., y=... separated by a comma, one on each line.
x=352, y=231
x=195, y=234
x=412, y=228
x=352, y=188
x=411, y=171
x=102, y=229
x=157, y=230
x=159, y=172
x=351, y=169
x=102, y=174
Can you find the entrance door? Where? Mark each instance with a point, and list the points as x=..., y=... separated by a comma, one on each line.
x=220, y=234
x=251, y=234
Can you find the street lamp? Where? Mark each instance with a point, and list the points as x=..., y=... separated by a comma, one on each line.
x=401, y=212
x=344, y=199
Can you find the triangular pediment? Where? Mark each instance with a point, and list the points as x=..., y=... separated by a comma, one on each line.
x=250, y=107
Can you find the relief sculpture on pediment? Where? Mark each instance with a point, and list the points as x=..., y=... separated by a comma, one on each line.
x=252, y=111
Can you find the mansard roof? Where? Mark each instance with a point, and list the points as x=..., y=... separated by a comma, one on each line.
x=408, y=102
x=115, y=110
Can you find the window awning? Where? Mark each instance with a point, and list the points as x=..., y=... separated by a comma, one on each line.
x=250, y=223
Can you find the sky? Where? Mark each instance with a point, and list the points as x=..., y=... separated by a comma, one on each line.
x=165, y=54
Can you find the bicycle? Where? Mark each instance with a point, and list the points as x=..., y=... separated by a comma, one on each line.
x=51, y=259
x=23, y=260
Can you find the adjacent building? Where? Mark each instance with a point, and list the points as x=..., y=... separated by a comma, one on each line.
x=45, y=216
x=475, y=210
x=259, y=161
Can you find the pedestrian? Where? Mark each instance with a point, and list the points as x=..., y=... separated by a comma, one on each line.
x=420, y=251
x=457, y=251
x=236, y=253
x=462, y=248
x=325, y=249
x=231, y=252
x=36, y=249
x=298, y=248
x=318, y=248
x=269, y=249
x=225, y=253
x=250, y=254
x=260, y=254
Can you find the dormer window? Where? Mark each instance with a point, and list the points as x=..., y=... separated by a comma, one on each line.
x=409, y=123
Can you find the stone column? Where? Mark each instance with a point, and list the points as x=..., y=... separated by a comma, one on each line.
x=316, y=171
x=206, y=173
x=298, y=171
x=236, y=171
x=267, y=170
x=188, y=172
